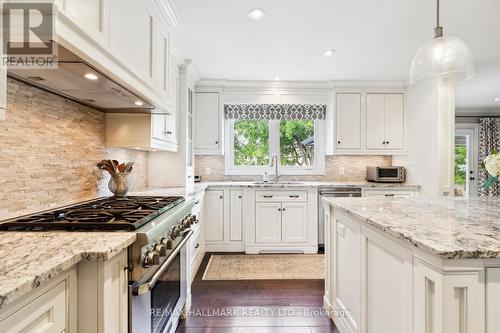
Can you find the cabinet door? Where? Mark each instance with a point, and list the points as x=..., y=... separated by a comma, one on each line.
x=388, y=284
x=160, y=127
x=394, y=121
x=375, y=121
x=346, y=254
x=268, y=222
x=294, y=223
x=130, y=35
x=236, y=216
x=207, y=127
x=213, y=216
x=161, y=59
x=171, y=128
x=348, y=121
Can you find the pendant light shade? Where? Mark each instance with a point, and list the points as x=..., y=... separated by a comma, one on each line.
x=445, y=59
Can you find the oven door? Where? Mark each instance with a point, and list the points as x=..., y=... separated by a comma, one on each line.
x=157, y=301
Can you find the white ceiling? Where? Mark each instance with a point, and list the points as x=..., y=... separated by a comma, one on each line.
x=374, y=39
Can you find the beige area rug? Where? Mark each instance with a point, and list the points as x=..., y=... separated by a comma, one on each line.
x=265, y=267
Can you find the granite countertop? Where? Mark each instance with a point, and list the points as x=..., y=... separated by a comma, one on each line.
x=168, y=191
x=28, y=259
x=448, y=228
x=318, y=184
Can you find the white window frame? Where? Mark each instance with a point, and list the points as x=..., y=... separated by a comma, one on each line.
x=318, y=167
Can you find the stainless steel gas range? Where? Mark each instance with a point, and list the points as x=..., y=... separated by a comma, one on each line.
x=157, y=264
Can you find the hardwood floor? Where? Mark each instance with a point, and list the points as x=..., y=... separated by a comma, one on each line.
x=256, y=306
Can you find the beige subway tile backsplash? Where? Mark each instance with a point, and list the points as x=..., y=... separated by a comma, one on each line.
x=354, y=168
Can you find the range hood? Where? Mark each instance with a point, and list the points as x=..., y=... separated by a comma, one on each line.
x=77, y=80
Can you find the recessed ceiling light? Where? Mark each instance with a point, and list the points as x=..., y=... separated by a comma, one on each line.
x=329, y=53
x=91, y=76
x=497, y=99
x=256, y=13
x=277, y=78
x=139, y=103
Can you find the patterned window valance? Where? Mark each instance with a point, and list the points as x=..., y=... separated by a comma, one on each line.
x=274, y=111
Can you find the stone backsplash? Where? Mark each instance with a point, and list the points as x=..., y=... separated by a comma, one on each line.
x=354, y=169
x=49, y=148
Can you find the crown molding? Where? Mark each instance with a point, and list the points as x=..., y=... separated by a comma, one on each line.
x=368, y=83
x=169, y=13
x=259, y=85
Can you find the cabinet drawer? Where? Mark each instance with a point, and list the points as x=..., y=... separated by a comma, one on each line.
x=281, y=196
x=47, y=313
x=388, y=193
x=194, y=244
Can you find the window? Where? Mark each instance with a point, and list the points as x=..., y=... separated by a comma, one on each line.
x=251, y=143
x=297, y=143
x=254, y=133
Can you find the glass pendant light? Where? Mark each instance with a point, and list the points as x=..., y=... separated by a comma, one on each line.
x=445, y=59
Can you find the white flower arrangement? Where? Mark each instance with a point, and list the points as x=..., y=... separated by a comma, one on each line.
x=492, y=165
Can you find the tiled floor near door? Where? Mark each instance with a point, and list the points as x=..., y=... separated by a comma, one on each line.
x=257, y=306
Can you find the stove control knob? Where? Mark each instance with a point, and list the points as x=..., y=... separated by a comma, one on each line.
x=193, y=219
x=167, y=243
x=152, y=257
x=161, y=249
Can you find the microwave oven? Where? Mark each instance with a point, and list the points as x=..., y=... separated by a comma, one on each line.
x=391, y=174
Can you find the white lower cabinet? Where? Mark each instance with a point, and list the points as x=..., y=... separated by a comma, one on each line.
x=258, y=220
x=294, y=222
x=236, y=216
x=268, y=222
x=378, y=284
x=383, y=191
x=92, y=296
x=213, y=216
x=50, y=310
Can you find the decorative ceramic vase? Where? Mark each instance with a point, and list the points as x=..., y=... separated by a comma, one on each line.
x=118, y=184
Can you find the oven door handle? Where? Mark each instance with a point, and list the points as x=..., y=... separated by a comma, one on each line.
x=143, y=287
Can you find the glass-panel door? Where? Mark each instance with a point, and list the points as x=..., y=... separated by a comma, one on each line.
x=466, y=160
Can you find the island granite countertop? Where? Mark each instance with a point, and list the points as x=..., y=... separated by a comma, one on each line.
x=28, y=259
x=448, y=228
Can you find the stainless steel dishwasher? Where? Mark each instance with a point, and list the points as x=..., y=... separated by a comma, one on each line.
x=332, y=192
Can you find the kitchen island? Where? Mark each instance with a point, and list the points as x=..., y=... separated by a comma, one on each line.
x=413, y=265
x=49, y=279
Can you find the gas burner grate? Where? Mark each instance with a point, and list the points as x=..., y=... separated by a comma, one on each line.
x=114, y=213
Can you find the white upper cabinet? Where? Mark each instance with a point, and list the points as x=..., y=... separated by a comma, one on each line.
x=161, y=59
x=394, y=122
x=375, y=121
x=128, y=40
x=385, y=121
x=208, y=131
x=370, y=123
x=131, y=35
x=348, y=121
x=141, y=131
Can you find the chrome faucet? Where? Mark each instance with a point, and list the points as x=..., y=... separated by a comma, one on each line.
x=274, y=163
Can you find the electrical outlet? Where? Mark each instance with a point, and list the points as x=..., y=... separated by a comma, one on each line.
x=341, y=171
x=2, y=114
x=208, y=171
